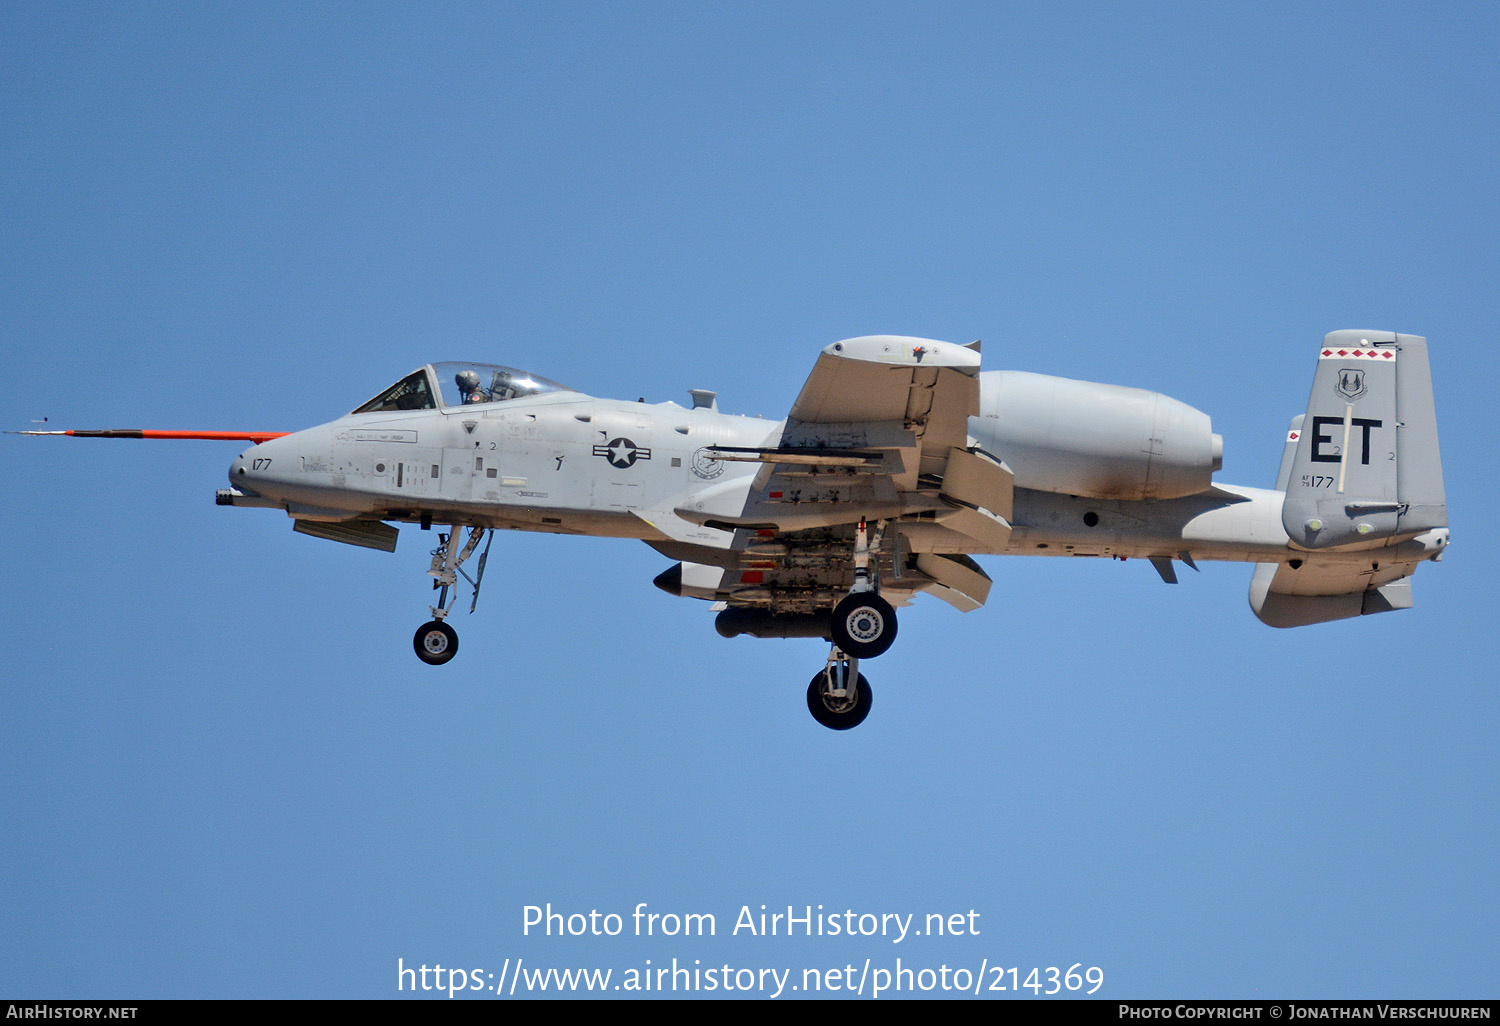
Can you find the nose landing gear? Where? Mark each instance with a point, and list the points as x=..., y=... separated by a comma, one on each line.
x=839, y=696
x=436, y=642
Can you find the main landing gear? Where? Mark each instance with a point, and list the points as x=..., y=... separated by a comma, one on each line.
x=863, y=626
x=435, y=641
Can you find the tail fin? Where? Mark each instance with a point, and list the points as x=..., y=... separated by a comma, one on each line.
x=1360, y=468
x=1366, y=465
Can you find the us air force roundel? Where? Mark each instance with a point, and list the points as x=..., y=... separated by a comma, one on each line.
x=622, y=452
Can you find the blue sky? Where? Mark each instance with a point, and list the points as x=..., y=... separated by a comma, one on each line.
x=222, y=770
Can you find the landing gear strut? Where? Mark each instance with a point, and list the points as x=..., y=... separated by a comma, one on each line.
x=436, y=642
x=864, y=624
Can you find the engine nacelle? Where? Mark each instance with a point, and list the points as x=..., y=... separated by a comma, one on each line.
x=1099, y=441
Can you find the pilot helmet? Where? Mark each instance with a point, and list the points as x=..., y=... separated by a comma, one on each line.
x=467, y=381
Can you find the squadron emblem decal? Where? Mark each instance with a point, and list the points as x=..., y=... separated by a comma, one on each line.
x=622, y=452
x=1351, y=383
x=705, y=465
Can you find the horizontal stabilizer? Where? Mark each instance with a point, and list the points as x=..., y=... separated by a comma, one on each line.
x=1280, y=608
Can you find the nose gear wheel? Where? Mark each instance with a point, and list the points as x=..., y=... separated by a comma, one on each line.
x=833, y=702
x=435, y=642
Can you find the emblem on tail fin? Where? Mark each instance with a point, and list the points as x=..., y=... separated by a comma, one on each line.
x=1351, y=383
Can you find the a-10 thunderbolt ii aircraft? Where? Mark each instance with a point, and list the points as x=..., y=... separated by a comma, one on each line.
x=898, y=462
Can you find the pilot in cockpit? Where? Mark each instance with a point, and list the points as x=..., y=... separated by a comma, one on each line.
x=468, y=387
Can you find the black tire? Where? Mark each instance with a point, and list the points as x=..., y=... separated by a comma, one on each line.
x=435, y=642
x=833, y=718
x=863, y=625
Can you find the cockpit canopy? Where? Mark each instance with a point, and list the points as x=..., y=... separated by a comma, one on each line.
x=450, y=384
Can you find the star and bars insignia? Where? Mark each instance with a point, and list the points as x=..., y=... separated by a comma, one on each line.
x=622, y=452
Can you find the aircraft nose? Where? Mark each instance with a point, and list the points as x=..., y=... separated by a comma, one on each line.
x=243, y=472
x=252, y=481
x=242, y=490
x=251, y=470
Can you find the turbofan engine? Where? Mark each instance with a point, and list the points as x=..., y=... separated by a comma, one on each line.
x=1099, y=441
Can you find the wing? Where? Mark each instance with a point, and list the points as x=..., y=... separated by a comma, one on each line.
x=879, y=433
x=925, y=388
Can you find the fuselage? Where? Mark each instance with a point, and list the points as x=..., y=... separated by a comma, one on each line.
x=568, y=463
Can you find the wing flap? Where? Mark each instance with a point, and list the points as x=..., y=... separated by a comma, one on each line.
x=957, y=580
x=989, y=532
x=975, y=478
